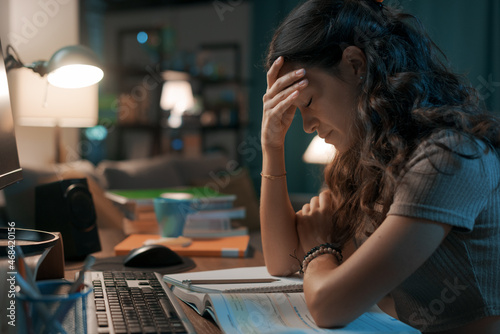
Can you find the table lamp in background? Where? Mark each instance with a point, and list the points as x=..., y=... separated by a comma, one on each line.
x=319, y=152
x=317, y=155
x=176, y=96
x=64, y=94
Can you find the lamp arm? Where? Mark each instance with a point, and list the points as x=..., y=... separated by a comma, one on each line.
x=39, y=67
x=13, y=61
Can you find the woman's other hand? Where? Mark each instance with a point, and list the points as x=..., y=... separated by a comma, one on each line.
x=314, y=221
x=283, y=86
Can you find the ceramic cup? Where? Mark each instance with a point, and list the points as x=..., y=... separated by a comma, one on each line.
x=171, y=215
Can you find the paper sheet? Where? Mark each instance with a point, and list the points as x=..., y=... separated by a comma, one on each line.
x=287, y=313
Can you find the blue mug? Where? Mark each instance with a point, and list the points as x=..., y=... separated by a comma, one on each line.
x=171, y=215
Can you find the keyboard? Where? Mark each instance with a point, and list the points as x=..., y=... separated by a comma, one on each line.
x=129, y=302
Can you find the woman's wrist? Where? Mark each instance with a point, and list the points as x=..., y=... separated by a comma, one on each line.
x=273, y=162
x=273, y=176
x=273, y=150
x=323, y=262
x=321, y=250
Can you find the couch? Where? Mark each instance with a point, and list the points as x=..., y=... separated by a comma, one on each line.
x=211, y=170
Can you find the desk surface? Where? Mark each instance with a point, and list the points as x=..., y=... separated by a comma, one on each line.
x=110, y=237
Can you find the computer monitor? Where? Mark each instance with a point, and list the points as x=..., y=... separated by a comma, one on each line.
x=10, y=169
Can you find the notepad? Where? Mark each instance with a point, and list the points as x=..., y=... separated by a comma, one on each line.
x=251, y=281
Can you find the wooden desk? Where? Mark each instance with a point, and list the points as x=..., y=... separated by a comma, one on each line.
x=111, y=237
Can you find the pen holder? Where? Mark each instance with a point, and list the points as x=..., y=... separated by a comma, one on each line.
x=55, y=311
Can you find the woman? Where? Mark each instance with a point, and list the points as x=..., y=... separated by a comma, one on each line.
x=413, y=200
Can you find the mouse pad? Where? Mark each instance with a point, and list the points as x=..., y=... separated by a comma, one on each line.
x=115, y=263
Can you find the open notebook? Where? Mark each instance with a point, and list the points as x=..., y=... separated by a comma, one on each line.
x=275, y=307
x=250, y=277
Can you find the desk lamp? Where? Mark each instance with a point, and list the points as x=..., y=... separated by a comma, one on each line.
x=70, y=99
x=319, y=152
x=74, y=66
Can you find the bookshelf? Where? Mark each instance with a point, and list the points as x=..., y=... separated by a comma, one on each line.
x=216, y=77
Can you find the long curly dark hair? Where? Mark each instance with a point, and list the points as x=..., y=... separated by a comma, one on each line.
x=408, y=94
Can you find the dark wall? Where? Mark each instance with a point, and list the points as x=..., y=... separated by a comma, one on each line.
x=301, y=177
x=467, y=31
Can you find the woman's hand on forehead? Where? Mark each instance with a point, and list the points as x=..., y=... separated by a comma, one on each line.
x=284, y=83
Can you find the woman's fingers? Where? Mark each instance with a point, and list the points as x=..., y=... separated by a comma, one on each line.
x=275, y=84
x=319, y=205
x=314, y=222
x=284, y=100
x=306, y=208
x=282, y=105
x=272, y=74
x=279, y=117
x=325, y=200
x=286, y=81
x=273, y=99
x=282, y=91
x=314, y=202
x=279, y=101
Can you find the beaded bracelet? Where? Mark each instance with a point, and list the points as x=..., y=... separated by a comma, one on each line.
x=272, y=177
x=319, y=250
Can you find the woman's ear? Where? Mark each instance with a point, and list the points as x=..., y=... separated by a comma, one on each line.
x=354, y=63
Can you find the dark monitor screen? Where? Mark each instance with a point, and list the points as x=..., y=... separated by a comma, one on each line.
x=10, y=169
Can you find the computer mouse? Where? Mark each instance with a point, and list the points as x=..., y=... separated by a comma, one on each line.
x=151, y=256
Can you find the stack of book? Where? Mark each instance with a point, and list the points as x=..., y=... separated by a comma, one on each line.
x=215, y=223
x=214, y=217
x=137, y=208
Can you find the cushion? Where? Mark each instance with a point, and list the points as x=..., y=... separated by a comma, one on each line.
x=157, y=172
x=195, y=168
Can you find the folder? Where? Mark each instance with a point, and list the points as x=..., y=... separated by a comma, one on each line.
x=235, y=246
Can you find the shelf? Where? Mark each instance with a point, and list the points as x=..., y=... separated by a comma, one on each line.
x=139, y=126
x=220, y=127
x=218, y=85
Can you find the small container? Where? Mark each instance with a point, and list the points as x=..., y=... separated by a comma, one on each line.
x=55, y=311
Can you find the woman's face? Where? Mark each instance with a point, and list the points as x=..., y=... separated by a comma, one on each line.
x=327, y=105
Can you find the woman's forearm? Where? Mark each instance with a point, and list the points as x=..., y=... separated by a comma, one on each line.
x=279, y=235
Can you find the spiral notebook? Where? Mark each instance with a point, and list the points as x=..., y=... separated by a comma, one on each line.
x=235, y=280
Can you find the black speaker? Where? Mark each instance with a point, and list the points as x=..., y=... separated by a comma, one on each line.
x=66, y=206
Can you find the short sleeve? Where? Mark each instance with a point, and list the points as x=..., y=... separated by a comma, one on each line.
x=451, y=186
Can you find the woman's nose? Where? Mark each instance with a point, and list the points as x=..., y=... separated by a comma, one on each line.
x=309, y=124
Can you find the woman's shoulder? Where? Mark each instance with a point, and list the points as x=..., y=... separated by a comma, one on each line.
x=451, y=178
x=454, y=141
x=448, y=151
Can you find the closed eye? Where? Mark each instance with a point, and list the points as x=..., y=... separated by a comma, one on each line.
x=309, y=103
